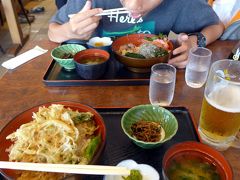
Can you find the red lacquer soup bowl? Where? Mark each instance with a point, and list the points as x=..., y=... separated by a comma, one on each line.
x=26, y=117
x=195, y=160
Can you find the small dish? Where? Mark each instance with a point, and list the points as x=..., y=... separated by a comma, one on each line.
x=91, y=63
x=147, y=171
x=103, y=43
x=64, y=55
x=195, y=160
x=150, y=113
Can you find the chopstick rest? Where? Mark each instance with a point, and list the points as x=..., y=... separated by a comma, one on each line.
x=24, y=57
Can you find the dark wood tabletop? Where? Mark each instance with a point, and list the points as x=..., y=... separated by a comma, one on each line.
x=22, y=88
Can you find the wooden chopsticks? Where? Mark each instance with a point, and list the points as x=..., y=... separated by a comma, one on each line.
x=114, y=11
x=109, y=12
x=66, y=168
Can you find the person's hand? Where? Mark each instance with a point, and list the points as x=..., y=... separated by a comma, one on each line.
x=84, y=23
x=181, y=52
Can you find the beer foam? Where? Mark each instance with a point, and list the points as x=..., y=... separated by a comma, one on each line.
x=225, y=98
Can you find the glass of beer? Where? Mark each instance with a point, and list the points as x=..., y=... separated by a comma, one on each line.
x=220, y=114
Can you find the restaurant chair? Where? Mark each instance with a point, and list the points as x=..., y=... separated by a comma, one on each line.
x=2, y=50
x=1, y=18
x=1, y=23
x=24, y=11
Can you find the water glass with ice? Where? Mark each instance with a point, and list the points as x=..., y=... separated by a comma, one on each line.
x=162, y=84
x=199, y=60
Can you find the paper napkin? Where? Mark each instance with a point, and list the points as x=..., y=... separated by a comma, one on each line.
x=24, y=57
x=172, y=36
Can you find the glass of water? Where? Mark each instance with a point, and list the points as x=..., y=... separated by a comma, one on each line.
x=162, y=84
x=199, y=60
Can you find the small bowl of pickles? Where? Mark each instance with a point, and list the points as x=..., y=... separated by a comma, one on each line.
x=149, y=126
x=63, y=55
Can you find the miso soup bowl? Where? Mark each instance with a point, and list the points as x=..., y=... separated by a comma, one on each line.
x=190, y=150
x=91, y=71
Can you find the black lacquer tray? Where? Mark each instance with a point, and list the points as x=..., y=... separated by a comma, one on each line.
x=119, y=147
x=116, y=74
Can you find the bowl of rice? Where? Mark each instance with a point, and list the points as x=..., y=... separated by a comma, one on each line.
x=61, y=132
x=138, y=52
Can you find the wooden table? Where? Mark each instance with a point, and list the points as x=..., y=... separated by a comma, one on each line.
x=23, y=88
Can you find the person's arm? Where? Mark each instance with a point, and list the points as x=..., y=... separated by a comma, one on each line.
x=60, y=32
x=80, y=26
x=212, y=33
